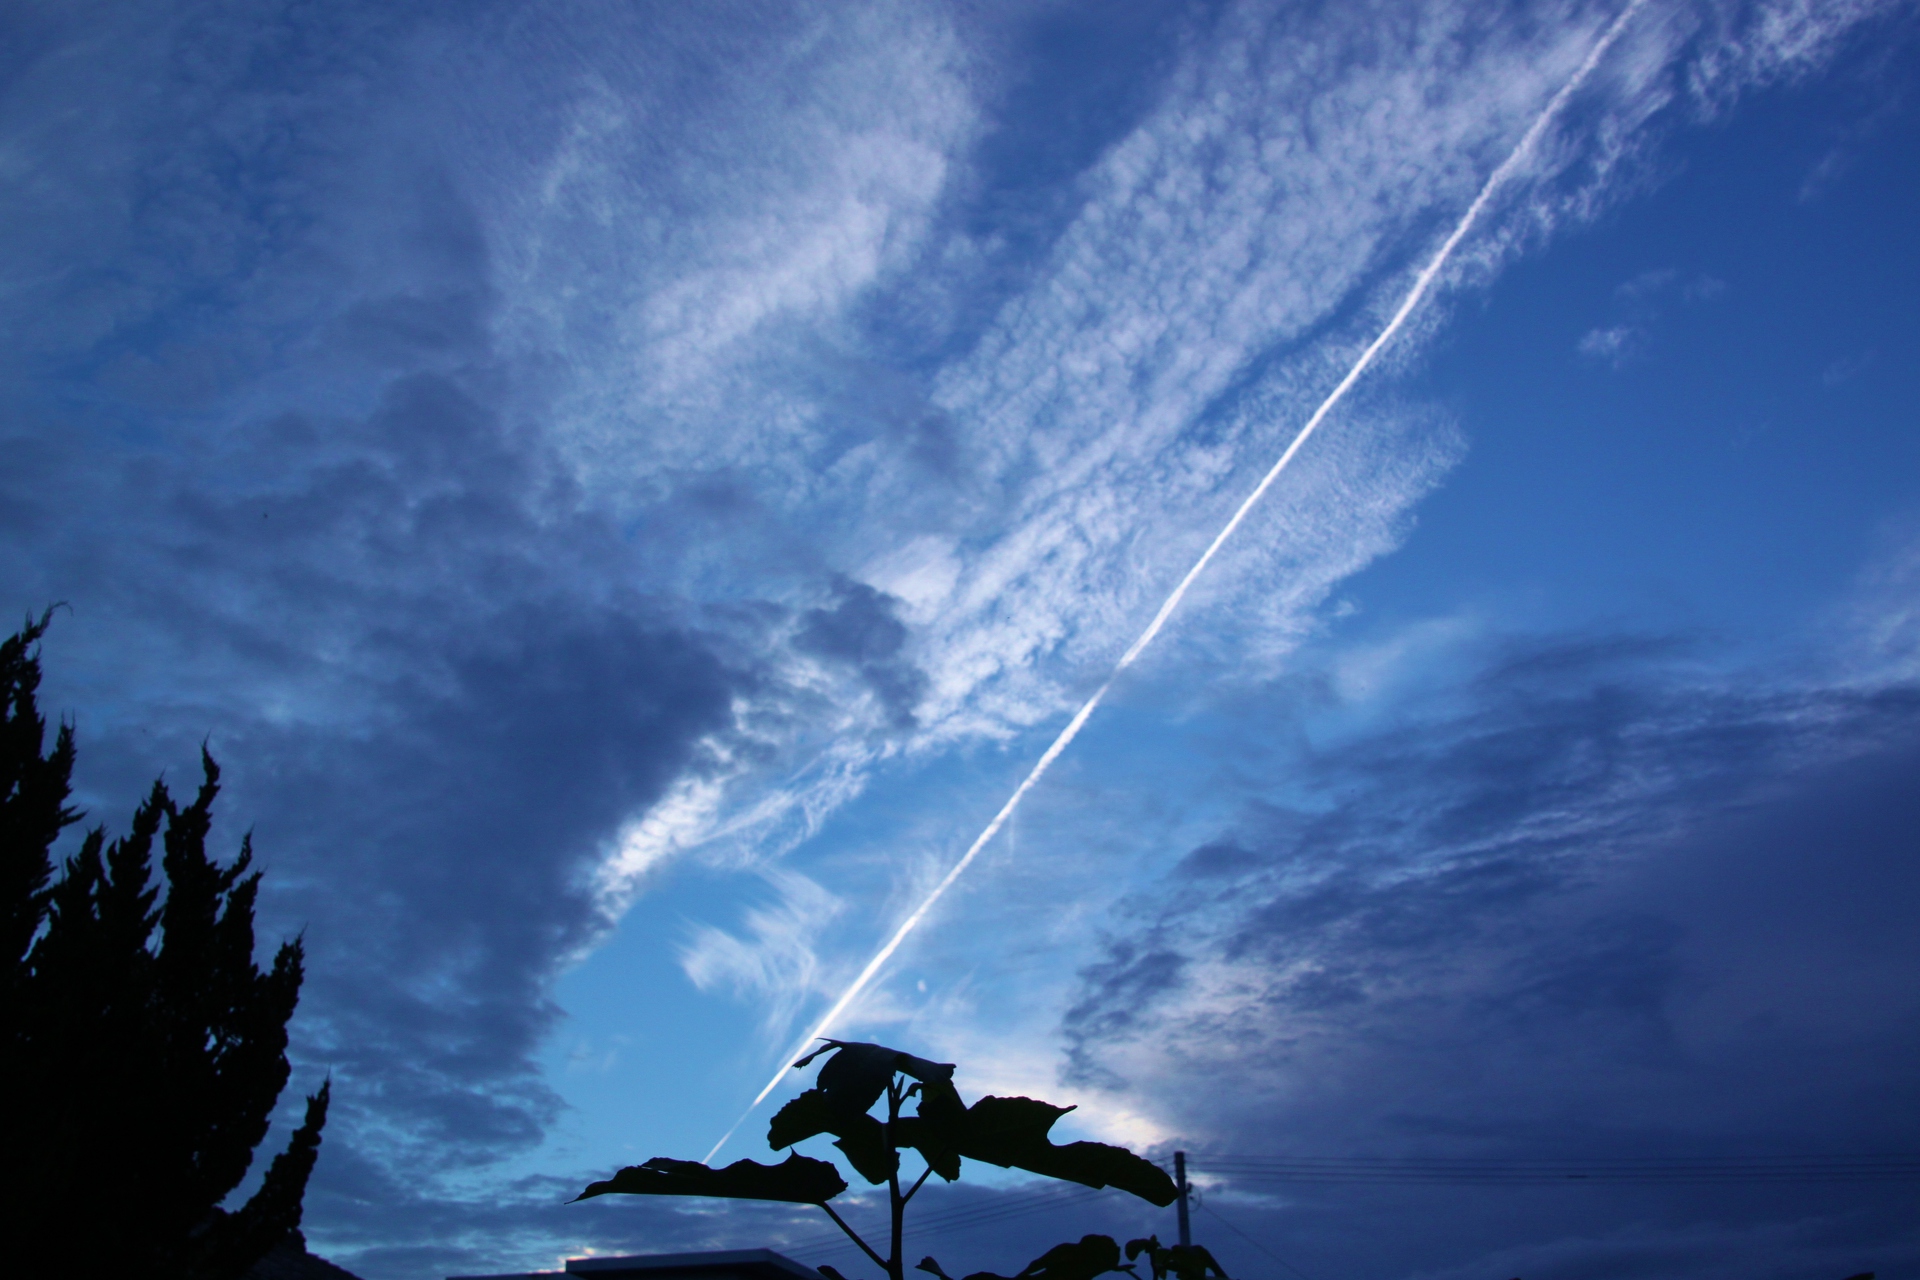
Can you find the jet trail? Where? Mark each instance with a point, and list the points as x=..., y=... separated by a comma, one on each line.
x=1422, y=284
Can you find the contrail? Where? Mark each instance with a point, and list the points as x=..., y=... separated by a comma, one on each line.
x=1421, y=286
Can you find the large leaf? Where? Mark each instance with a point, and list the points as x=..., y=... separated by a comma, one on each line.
x=1009, y=1132
x=939, y=1130
x=1084, y=1259
x=1184, y=1261
x=1012, y=1133
x=798, y=1180
x=861, y=1137
x=848, y=1085
x=804, y=1117
x=857, y=1074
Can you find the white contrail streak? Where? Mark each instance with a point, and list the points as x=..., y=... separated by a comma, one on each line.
x=1421, y=286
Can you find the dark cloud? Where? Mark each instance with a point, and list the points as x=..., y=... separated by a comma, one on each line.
x=257, y=431
x=861, y=629
x=1120, y=991
x=1218, y=858
x=452, y=861
x=405, y=631
x=1609, y=910
x=383, y=1224
x=358, y=565
x=303, y=506
x=436, y=732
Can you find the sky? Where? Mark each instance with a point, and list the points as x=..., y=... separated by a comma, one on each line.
x=627, y=492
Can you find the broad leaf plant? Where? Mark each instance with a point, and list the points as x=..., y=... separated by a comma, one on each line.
x=941, y=1131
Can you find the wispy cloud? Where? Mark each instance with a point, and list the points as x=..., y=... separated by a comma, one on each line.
x=540, y=446
x=1612, y=344
x=1158, y=349
x=777, y=958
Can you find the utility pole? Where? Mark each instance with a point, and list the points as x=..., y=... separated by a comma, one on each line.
x=1180, y=1177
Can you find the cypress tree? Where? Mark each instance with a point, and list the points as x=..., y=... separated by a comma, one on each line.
x=144, y=1048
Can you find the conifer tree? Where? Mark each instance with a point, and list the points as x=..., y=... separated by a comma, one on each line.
x=143, y=1048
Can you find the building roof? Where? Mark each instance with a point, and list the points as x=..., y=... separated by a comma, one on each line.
x=728, y=1264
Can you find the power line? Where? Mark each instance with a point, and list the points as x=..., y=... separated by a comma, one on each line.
x=1255, y=1243
x=1609, y=1169
x=935, y=1224
x=1435, y=1170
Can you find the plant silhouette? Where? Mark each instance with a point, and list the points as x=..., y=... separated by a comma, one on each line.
x=144, y=1049
x=857, y=1077
x=1088, y=1257
x=1182, y=1261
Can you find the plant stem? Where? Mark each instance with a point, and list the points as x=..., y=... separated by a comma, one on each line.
x=916, y=1185
x=896, y=1203
x=855, y=1235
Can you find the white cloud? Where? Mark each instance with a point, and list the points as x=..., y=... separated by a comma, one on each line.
x=1646, y=284
x=682, y=228
x=679, y=821
x=923, y=574
x=1612, y=344
x=1364, y=673
x=1118, y=405
x=677, y=238
x=1703, y=288
x=682, y=270
x=1881, y=618
x=777, y=957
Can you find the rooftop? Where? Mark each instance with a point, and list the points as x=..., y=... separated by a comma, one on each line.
x=729, y=1264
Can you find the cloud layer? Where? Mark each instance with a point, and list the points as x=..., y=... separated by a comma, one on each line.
x=547, y=447
x=1587, y=911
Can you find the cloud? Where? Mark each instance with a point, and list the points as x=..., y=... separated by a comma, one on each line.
x=1847, y=368
x=1612, y=344
x=413, y=645
x=1073, y=424
x=1641, y=298
x=1881, y=616
x=862, y=630
x=1605, y=909
x=778, y=958
x=432, y=791
x=538, y=446
x=749, y=211
x=1703, y=289
x=381, y=1224
x=1646, y=284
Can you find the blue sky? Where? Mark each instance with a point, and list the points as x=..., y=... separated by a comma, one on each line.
x=629, y=490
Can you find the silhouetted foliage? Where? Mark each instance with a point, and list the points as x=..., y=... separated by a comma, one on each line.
x=1084, y=1259
x=144, y=1049
x=1183, y=1261
x=797, y=1180
x=1009, y=1132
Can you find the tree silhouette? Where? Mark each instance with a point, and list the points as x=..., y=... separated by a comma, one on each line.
x=1009, y=1132
x=144, y=1049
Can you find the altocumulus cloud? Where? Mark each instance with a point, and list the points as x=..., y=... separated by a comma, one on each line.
x=537, y=444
